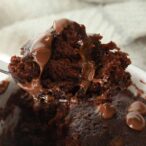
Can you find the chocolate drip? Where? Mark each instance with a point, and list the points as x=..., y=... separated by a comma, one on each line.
x=41, y=50
x=88, y=69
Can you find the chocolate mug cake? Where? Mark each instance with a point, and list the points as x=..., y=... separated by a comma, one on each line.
x=73, y=91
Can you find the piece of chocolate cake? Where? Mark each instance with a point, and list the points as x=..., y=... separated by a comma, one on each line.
x=73, y=92
x=66, y=58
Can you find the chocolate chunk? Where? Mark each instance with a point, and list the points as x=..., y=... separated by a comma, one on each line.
x=106, y=110
x=135, y=121
x=3, y=86
x=138, y=106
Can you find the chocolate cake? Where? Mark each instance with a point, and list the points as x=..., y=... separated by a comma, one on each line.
x=66, y=58
x=72, y=92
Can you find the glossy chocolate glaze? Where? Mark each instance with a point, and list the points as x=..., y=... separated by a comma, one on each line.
x=3, y=86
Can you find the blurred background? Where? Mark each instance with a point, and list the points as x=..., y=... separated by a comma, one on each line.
x=123, y=21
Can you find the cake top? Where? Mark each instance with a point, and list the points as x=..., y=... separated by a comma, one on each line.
x=69, y=61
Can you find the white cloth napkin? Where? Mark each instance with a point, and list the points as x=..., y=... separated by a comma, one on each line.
x=12, y=11
x=20, y=32
x=129, y=18
x=122, y=22
x=103, y=1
